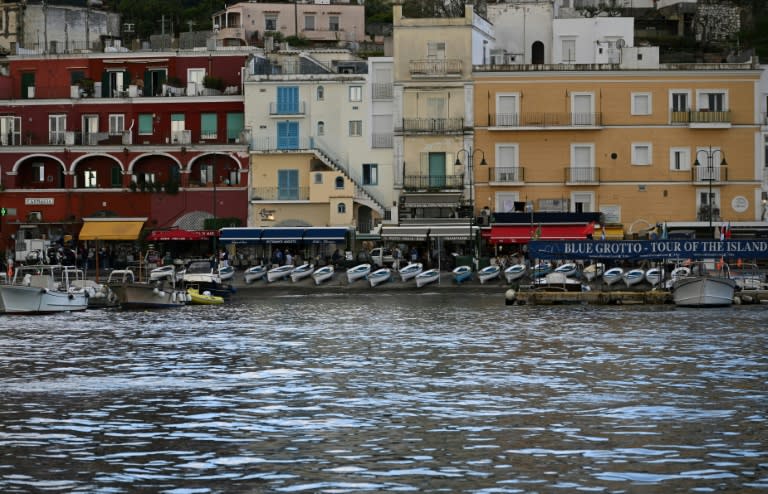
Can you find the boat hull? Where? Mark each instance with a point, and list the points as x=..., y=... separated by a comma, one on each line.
x=254, y=274
x=35, y=300
x=411, y=271
x=279, y=273
x=703, y=291
x=380, y=276
x=462, y=273
x=146, y=296
x=323, y=274
x=358, y=272
x=488, y=273
x=196, y=297
x=427, y=277
x=514, y=273
x=302, y=272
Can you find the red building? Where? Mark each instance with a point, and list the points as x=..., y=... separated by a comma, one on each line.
x=135, y=134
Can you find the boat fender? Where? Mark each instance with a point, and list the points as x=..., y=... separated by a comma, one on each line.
x=510, y=295
x=72, y=296
x=173, y=297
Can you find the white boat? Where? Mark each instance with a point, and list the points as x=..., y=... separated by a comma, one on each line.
x=654, y=275
x=462, y=273
x=41, y=289
x=489, y=273
x=137, y=295
x=323, y=273
x=541, y=269
x=379, y=276
x=279, y=273
x=514, y=272
x=613, y=275
x=358, y=272
x=748, y=277
x=254, y=273
x=99, y=294
x=427, y=277
x=704, y=287
x=569, y=269
x=411, y=270
x=593, y=271
x=556, y=282
x=301, y=272
x=226, y=272
x=633, y=276
x=162, y=272
x=677, y=273
x=201, y=272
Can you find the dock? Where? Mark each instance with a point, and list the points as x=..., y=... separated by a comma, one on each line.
x=616, y=297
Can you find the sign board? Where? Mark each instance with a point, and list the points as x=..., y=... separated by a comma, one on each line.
x=38, y=201
x=648, y=249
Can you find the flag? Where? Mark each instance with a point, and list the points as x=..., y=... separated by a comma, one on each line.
x=602, y=233
x=728, y=231
x=664, y=231
x=537, y=233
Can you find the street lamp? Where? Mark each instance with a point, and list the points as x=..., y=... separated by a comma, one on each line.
x=710, y=154
x=470, y=155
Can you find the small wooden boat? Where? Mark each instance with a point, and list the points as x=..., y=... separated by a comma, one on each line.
x=677, y=273
x=226, y=272
x=427, y=277
x=514, y=272
x=557, y=282
x=379, y=276
x=163, y=272
x=301, y=272
x=613, y=275
x=568, y=269
x=489, y=273
x=254, y=273
x=541, y=269
x=279, y=273
x=654, y=276
x=358, y=272
x=322, y=274
x=593, y=271
x=203, y=298
x=633, y=276
x=411, y=270
x=462, y=273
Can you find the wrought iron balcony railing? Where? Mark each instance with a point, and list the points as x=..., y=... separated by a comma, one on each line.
x=433, y=182
x=582, y=175
x=538, y=119
x=506, y=174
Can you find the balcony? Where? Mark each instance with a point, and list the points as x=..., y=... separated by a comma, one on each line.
x=445, y=67
x=702, y=119
x=280, y=194
x=582, y=175
x=277, y=109
x=433, y=182
x=506, y=175
x=536, y=120
x=431, y=125
x=381, y=141
x=382, y=90
x=705, y=175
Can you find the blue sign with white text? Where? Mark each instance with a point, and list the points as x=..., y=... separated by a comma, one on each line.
x=648, y=249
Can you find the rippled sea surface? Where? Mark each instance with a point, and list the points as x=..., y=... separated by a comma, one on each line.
x=386, y=393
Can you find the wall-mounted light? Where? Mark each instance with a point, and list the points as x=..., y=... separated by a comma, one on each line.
x=267, y=214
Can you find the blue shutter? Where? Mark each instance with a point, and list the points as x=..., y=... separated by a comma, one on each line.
x=287, y=135
x=288, y=100
x=287, y=185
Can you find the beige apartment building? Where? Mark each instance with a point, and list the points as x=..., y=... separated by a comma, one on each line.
x=643, y=145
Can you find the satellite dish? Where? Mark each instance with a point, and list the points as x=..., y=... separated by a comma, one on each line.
x=620, y=43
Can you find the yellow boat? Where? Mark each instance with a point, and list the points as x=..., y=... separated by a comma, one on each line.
x=204, y=298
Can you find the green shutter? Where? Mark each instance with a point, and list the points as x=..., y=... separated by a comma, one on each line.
x=235, y=125
x=145, y=123
x=208, y=125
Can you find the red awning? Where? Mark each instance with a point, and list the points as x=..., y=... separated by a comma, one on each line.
x=179, y=234
x=521, y=234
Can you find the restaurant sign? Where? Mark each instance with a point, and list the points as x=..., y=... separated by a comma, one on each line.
x=648, y=249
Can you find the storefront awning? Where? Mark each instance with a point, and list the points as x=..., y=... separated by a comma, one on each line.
x=324, y=235
x=178, y=234
x=420, y=233
x=111, y=229
x=282, y=235
x=520, y=234
x=240, y=235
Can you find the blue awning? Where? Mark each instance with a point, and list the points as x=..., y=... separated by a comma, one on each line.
x=282, y=235
x=325, y=235
x=240, y=235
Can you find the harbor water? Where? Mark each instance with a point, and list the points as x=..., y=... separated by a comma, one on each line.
x=385, y=392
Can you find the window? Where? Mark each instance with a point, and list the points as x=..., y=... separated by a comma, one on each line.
x=679, y=101
x=355, y=93
x=270, y=22
x=583, y=109
x=38, y=172
x=116, y=84
x=320, y=93
x=10, y=131
x=568, y=48
x=116, y=124
x=333, y=22
x=507, y=110
x=288, y=100
x=355, y=128
x=318, y=178
x=370, y=174
x=641, y=153
x=195, y=80
x=57, y=126
x=89, y=179
x=506, y=169
x=178, y=127
x=235, y=127
x=505, y=201
x=320, y=128
x=208, y=126
x=436, y=49
x=145, y=124
x=679, y=159
x=341, y=208
x=339, y=183
x=309, y=23
x=287, y=185
x=641, y=103
x=712, y=100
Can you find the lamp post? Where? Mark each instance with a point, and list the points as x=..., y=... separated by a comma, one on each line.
x=710, y=153
x=470, y=156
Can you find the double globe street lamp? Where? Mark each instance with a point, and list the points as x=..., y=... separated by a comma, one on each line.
x=470, y=157
x=709, y=172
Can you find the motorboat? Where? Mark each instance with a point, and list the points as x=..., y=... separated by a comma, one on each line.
x=489, y=273
x=557, y=282
x=132, y=294
x=654, y=275
x=677, y=273
x=411, y=270
x=462, y=273
x=541, y=269
x=358, y=272
x=279, y=273
x=323, y=273
x=226, y=273
x=99, y=294
x=569, y=269
x=201, y=272
x=254, y=273
x=41, y=289
x=613, y=275
x=379, y=276
x=196, y=297
x=748, y=277
x=427, y=277
x=514, y=272
x=303, y=271
x=633, y=276
x=162, y=272
x=593, y=271
x=704, y=287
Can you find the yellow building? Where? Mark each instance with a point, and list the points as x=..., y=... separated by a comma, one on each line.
x=642, y=144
